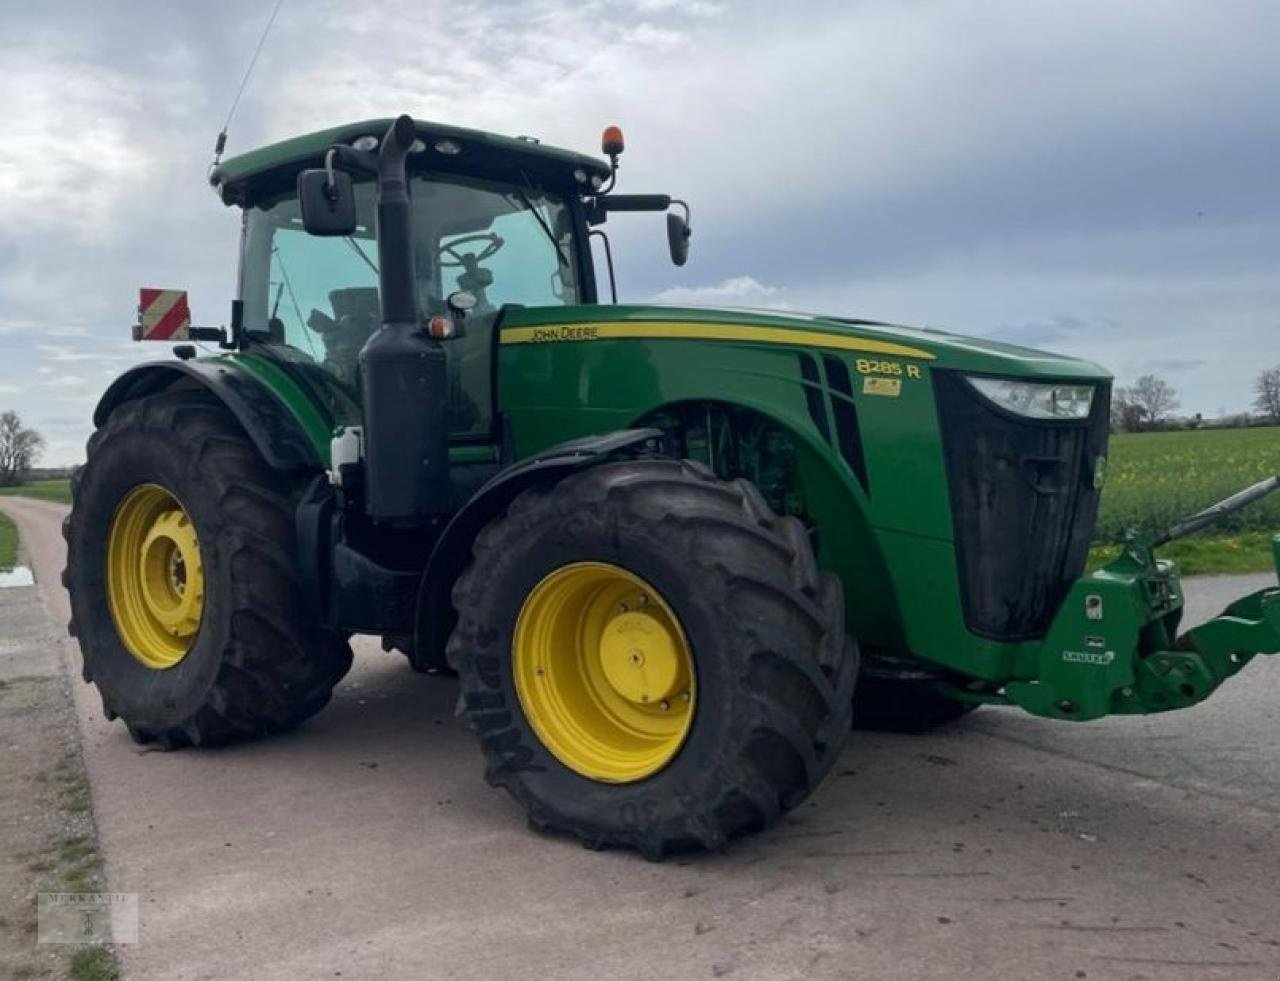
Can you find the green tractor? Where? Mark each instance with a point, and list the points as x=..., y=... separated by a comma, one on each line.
x=673, y=555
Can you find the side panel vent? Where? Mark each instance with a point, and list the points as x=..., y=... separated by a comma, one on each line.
x=813, y=395
x=848, y=435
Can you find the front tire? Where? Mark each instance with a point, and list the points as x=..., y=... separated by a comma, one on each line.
x=182, y=577
x=697, y=678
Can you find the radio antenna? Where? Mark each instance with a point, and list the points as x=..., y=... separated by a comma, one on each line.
x=221, y=142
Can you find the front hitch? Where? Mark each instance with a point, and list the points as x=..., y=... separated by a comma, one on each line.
x=1114, y=647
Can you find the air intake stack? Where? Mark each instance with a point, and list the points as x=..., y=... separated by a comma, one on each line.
x=402, y=369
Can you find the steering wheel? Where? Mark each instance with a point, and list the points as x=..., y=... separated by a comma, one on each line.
x=466, y=259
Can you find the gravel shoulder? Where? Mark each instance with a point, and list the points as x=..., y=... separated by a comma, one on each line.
x=367, y=843
x=48, y=841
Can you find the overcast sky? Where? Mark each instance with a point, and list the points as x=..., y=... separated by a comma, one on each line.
x=1098, y=178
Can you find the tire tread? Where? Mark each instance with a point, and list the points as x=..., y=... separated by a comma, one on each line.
x=275, y=671
x=801, y=693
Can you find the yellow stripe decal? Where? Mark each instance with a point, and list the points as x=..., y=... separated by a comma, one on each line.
x=560, y=333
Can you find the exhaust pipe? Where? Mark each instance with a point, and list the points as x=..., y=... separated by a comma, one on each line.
x=402, y=368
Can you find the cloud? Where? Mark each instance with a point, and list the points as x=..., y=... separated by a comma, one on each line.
x=100, y=349
x=64, y=380
x=1172, y=365
x=73, y=157
x=980, y=167
x=689, y=8
x=1052, y=331
x=737, y=291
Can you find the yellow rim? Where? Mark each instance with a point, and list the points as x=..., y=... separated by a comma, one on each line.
x=155, y=579
x=603, y=672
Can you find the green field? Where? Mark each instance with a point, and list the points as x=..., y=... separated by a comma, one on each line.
x=58, y=490
x=8, y=542
x=1155, y=478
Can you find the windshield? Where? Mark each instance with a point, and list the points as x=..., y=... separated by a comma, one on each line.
x=315, y=300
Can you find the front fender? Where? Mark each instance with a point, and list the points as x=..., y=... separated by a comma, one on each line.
x=274, y=429
x=434, y=616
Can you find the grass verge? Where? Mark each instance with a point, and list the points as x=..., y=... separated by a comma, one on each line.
x=8, y=542
x=74, y=864
x=58, y=490
x=1246, y=552
x=49, y=842
x=94, y=964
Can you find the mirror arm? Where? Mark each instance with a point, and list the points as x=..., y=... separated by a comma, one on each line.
x=353, y=161
x=634, y=202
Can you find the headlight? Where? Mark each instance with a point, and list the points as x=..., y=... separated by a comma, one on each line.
x=1035, y=400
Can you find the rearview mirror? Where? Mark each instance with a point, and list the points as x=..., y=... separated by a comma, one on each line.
x=678, y=232
x=328, y=202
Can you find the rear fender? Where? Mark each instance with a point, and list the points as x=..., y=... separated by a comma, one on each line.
x=274, y=429
x=434, y=615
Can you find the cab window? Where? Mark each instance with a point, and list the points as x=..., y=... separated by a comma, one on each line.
x=316, y=299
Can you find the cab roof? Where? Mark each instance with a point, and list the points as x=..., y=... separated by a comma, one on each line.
x=242, y=178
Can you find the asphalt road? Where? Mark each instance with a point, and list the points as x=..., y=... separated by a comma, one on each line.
x=366, y=845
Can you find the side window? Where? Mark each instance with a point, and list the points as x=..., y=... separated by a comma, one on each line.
x=323, y=295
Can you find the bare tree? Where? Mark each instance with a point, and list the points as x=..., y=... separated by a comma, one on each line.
x=1126, y=413
x=1268, y=388
x=1155, y=397
x=19, y=448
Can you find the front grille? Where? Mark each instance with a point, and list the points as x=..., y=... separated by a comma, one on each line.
x=1023, y=506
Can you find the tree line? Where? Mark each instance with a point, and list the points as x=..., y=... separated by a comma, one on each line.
x=1150, y=402
x=19, y=449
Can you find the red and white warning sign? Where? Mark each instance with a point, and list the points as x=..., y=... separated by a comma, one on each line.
x=163, y=315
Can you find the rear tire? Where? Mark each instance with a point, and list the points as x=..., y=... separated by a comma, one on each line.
x=254, y=666
x=774, y=670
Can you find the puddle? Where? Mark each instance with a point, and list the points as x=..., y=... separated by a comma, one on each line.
x=17, y=576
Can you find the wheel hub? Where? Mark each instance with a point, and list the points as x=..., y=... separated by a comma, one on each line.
x=168, y=551
x=155, y=577
x=603, y=672
x=640, y=657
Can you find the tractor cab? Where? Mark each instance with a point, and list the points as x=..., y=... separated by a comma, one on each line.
x=495, y=224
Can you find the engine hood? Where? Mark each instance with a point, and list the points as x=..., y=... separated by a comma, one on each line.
x=936, y=348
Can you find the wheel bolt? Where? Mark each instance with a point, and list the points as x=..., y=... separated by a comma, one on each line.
x=664, y=705
x=684, y=696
